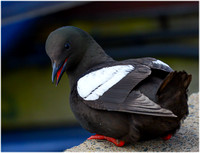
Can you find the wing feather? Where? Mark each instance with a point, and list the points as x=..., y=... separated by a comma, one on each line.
x=122, y=97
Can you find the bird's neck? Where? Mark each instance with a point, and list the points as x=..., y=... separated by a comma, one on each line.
x=94, y=56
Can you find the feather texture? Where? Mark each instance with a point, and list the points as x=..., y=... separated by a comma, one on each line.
x=119, y=96
x=95, y=84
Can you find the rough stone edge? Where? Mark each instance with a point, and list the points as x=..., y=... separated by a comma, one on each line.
x=105, y=146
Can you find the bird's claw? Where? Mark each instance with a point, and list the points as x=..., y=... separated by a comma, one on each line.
x=117, y=142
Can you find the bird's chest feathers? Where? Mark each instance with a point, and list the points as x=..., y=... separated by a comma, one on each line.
x=96, y=83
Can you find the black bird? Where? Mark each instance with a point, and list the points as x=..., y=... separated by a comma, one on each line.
x=121, y=101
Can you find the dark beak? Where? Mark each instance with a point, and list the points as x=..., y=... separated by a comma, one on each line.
x=54, y=73
x=58, y=71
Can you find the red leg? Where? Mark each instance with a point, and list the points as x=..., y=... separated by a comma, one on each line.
x=117, y=142
x=167, y=137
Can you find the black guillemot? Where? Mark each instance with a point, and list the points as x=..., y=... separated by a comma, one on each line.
x=121, y=101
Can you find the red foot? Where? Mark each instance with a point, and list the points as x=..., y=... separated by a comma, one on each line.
x=117, y=142
x=167, y=137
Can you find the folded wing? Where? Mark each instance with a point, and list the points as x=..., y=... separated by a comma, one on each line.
x=112, y=89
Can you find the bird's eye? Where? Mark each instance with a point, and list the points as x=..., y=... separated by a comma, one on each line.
x=67, y=46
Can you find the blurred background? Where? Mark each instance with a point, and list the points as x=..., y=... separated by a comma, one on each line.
x=36, y=115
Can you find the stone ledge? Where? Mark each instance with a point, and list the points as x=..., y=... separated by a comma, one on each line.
x=185, y=140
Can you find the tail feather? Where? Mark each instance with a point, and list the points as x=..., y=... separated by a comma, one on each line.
x=172, y=94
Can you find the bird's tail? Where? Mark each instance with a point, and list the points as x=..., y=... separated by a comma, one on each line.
x=172, y=94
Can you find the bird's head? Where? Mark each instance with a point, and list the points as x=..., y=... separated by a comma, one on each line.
x=65, y=47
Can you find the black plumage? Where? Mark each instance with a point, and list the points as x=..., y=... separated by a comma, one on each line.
x=149, y=101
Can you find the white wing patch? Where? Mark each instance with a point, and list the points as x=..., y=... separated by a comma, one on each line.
x=95, y=84
x=160, y=63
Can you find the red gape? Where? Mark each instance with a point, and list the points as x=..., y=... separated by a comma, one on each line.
x=59, y=71
x=117, y=142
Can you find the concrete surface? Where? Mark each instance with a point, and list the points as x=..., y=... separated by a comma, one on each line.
x=185, y=140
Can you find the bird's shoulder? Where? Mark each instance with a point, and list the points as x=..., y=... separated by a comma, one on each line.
x=152, y=63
